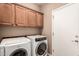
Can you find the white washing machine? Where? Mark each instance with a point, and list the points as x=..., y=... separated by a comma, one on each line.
x=39, y=45
x=1, y=50
x=16, y=47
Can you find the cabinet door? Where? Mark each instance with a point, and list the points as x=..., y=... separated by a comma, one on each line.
x=7, y=14
x=39, y=20
x=21, y=17
x=32, y=18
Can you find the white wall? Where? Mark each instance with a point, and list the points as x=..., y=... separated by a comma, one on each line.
x=47, y=29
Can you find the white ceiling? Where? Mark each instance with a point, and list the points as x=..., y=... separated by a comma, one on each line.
x=40, y=4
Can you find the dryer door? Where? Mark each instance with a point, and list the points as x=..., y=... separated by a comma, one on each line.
x=41, y=49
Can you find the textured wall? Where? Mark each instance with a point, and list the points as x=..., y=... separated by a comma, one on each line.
x=15, y=31
x=48, y=18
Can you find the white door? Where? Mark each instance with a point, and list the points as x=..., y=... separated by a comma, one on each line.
x=66, y=30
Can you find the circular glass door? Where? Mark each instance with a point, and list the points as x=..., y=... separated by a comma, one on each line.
x=19, y=52
x=41, y=49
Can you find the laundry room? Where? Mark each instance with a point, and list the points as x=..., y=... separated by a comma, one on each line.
x=30, y=29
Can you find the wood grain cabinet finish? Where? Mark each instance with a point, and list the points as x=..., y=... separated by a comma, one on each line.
x=39, y=20
x=7, y=14
x=21, y=16
x=13, y=14
x=32, y=18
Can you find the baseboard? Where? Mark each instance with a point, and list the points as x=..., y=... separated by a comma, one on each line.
x=49, y=54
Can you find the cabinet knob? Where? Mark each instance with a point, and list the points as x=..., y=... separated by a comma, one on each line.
x=15, y=24
x=12, y=24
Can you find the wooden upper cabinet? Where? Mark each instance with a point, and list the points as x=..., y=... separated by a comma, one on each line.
x=32, y=18
x=13, y=14
x=21, y=16
x=7, y=14
x=39, y=20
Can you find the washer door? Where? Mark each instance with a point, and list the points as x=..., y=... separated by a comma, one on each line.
x=41, y=49
x=19, y=52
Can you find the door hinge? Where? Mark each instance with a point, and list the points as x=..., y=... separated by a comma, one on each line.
x=53, y=17
x=53, y=50
x=53, y=33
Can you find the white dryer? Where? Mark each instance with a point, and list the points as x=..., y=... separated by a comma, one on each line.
x=39, y=45
x=16, y=46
